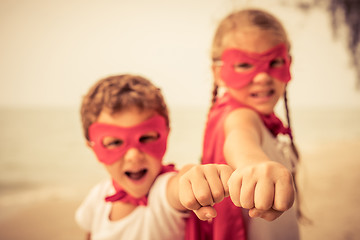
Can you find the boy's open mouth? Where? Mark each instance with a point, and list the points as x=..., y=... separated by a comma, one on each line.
x=136, y=175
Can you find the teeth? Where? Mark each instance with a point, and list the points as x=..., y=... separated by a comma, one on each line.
x=263, y=94
x=136, y=175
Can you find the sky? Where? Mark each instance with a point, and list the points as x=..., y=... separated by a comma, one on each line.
x=51, y=52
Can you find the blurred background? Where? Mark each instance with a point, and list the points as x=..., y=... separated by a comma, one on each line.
x=52, y=51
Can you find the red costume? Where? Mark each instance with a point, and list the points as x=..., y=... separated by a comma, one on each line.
x=229, y=223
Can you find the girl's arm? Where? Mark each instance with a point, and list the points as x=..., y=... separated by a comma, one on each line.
x=259, y=184
x=198, y=188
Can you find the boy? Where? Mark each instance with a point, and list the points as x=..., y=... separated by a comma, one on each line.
x=125, y=122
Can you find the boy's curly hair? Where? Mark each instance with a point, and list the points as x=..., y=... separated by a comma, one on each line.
x=119, y=92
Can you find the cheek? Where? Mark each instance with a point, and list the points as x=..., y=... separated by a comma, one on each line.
x=239, y=94
x=114, y=170
x=280, y=87
x=156, y=166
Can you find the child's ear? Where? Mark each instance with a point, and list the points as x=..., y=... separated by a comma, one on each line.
x=216, y=74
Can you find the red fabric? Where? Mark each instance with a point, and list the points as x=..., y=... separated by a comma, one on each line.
x=228, y=224
x=123, y=196
x=259, y=62
x=274, y=124
x=130, y=137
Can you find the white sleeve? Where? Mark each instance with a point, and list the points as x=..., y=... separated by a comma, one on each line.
x=84, y=215
x=169, y=221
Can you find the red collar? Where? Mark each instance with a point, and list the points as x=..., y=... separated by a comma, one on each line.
x=271, y=121
x=123, y=196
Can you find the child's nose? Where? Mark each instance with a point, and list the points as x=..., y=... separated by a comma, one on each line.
x=262, y=78
x=134, y=155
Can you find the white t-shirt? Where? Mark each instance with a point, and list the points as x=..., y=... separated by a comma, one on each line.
x=284, y=227
x=156, y=221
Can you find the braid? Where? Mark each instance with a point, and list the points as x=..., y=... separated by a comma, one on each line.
x=289, y=125
x=214, y=94
x=300, y=214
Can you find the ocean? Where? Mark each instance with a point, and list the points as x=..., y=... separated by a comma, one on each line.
x=43, y=153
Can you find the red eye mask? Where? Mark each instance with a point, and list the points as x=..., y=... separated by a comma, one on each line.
x=260, y=62
x=130, y=137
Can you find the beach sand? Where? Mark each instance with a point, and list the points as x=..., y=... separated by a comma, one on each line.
x=329, y=186
x=43, y=220
x=44, y=207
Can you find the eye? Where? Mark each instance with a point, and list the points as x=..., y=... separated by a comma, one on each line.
x=112, y=142
x=149, y=137
x=278, y=62
x=242, y=67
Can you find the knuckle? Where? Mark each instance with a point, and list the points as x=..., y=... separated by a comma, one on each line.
x=283, y=206
x=246, y=204
x=196, y=168
x=236, y=202
x=182, y=180
x=208, y=168
x=203, y=199
x=249, y=172
x=286, y=176
x=225, y=167
x=218, y=196
x=189, y=203
x=267, y=168
x=263, y=206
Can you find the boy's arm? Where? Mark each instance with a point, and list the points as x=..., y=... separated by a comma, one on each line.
x=198, y=188
x=259, y=184
x=172, y=189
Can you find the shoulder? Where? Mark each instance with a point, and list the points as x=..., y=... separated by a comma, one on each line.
x=102, y=189
x=243, y=119
x=161, y=182
x=97, y=195
x=85, y=213
x=165, y=190
x=99, y=192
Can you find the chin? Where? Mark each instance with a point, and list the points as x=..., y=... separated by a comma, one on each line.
x=141, y=191
x=138, y=194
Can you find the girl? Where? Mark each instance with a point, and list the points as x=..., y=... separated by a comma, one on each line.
x=251, y=62
x=126, y=124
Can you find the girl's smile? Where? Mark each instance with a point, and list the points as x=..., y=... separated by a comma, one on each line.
x=263, y=94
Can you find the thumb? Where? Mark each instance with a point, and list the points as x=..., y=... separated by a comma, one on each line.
x=205, y=213
x=268, y=215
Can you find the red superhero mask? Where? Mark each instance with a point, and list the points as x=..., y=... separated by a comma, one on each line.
x=275, y=62
x=129, y=137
